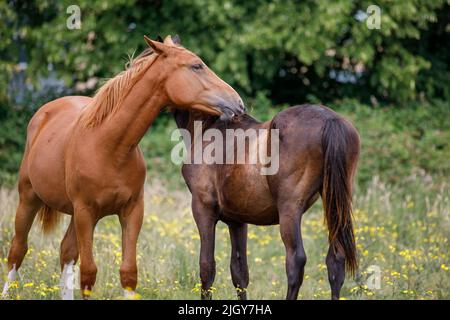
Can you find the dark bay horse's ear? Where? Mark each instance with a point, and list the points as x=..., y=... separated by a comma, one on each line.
x=168, y=40
x=159, y=39
x=158, y=47
x=176, y=40
x=172, y=41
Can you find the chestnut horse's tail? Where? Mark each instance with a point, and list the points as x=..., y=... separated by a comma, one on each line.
x=49, y=218
x=338, y=141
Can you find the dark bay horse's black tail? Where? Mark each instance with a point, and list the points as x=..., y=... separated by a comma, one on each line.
x=338, y=140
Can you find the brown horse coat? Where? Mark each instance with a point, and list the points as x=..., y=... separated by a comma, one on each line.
x=318, y=152
x=82, y=155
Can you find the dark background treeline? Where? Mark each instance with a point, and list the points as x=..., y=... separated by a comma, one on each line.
x=393, y=82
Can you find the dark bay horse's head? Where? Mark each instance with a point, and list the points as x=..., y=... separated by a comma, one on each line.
x=191, y=85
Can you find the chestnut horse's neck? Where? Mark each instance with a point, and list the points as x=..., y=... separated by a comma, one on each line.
x=140, y=108
x=125, y=127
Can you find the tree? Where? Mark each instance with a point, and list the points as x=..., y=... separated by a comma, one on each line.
x=292, y=50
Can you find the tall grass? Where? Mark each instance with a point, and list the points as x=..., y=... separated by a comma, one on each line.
x=404, y=231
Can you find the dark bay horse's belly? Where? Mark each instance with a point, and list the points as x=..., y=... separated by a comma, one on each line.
x=264, y=217
x=244, y=196
x=48, y=132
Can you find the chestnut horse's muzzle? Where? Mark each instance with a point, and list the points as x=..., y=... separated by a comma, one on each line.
x=231, y=108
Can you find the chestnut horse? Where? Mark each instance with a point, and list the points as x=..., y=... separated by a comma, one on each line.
x=318, y=154
x=82, y=156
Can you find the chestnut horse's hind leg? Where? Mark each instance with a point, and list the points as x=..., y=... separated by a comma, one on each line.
x=68, y=258
x=85, y=220
x=290, y=219
x=28, y=206
x=238, y=263
x=336, y=272
x=206, y=220
x=131, y=222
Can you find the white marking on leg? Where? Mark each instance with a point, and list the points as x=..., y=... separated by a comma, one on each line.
x=12, y=276
x=67, y=281
x=130, y=294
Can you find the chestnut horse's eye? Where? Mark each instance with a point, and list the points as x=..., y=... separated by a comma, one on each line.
x=197, y=67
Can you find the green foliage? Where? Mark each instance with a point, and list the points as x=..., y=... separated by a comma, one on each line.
x=288, y=48
x=12, y=141
x=396, y=143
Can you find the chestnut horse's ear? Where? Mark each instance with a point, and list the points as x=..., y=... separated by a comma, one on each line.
x=158, y=47
x=176, y=40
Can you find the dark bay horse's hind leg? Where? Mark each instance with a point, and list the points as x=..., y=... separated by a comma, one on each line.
x=29, y=204
x=238, y=263
x=206, y=219
x=290, y=218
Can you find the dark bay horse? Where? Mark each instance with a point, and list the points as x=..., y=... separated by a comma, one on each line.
x=82, y=156
x=318, y=154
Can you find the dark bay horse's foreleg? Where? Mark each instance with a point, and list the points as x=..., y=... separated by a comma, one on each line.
x=131, y=222
x=206, y=220
x=238, y=263
x=290, y=219
x=336, y=272
x=85, y=219
x=68, y=258
x=28, y=206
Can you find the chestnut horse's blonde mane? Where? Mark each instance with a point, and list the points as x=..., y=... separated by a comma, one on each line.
x=108, y=97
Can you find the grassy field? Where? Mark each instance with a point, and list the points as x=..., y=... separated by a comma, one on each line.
x=404, y=231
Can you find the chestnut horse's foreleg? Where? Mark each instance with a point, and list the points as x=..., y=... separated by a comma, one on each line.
x=206, y=220
x=28, y=206
x=238, y=263
x=290, y=219
x=85, y=220
x=131, y=222
x=68, y=258
x=336, y=272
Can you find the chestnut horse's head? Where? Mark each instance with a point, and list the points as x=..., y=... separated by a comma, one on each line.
x=190, y=84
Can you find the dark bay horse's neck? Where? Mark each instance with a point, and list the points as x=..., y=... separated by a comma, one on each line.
x=130, y=122
x=185, y=120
